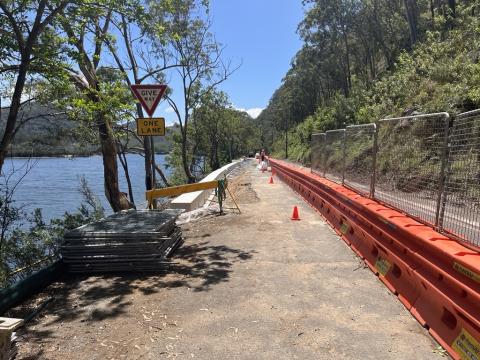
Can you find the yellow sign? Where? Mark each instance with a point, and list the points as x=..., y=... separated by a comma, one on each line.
x=151, y=127
x=344, y=228
x=466, y=346
x=467, y=272
x=382, y=265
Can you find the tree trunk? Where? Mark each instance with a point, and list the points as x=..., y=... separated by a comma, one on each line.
x=186, y=168
x=110, y=169
x=451, y=14
x=162, y=175
x=347, y=58
x=411, y=11
x=123, y=161
x=13, y=112
x=453, y=8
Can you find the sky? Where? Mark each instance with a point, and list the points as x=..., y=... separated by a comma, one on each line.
x=261, y=34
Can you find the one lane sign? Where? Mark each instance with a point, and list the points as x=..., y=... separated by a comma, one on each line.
x=151, y=127
x=149, y=96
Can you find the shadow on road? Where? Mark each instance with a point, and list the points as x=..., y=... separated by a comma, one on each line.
x=95, y=298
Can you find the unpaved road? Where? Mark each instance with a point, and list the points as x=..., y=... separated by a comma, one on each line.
x=249, y=286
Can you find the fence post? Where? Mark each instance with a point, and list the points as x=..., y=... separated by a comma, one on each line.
x=324, y=156
x=311, y=152
x=440, y=210
x=344, y=150
x=374, y=161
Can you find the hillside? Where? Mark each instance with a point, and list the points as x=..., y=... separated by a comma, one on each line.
x=374, y=60
x=49, y=132
x=46, y=132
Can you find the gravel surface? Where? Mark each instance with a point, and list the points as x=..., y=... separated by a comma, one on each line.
x=254, y=285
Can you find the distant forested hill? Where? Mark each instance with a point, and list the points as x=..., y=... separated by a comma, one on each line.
x=49, y=132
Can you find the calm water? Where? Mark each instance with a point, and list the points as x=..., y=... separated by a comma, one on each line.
x=52, y=184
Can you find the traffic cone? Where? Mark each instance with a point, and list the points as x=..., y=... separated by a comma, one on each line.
x=271, y=180
x=295, y=215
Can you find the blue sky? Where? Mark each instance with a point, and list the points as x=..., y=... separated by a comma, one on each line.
x=262, y=35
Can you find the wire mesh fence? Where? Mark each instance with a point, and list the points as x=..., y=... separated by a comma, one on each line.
x=421, y=165
x=359, y=157
x=318, y=154
x=460, y=213
x=410, y=163
x=334, y=155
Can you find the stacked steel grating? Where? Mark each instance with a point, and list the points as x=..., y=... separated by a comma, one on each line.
x=133, y=240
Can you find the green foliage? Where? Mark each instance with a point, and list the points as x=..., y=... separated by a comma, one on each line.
x=217, y=134
x=28, y=243
x=440, y=73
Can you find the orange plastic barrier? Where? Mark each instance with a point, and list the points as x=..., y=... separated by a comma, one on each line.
x=436, y=278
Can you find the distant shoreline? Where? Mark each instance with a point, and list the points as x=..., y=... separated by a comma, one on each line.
x=64, y=156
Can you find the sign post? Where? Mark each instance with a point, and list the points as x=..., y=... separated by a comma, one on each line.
x=149, y=96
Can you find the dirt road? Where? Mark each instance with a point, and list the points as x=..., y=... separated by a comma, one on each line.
x=249, y=286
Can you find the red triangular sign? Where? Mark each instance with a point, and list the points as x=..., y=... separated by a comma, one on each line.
x=149, y=96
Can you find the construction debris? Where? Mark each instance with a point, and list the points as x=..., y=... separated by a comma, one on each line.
x=132, y=240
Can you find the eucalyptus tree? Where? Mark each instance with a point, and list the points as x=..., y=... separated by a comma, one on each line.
x=28, y=45
x=100, y=97
x=209, y=122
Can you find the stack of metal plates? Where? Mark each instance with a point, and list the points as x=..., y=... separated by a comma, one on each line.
x=133, y=240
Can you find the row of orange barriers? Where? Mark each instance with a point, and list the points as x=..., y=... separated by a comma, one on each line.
x=436, y=278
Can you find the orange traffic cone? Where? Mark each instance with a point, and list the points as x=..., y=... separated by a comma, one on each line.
x=295, y=215
x=271, y=180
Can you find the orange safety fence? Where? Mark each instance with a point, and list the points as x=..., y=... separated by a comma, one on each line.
x=436, y=278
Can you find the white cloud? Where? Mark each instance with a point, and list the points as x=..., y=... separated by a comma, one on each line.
x=169, y=110
x=253, y=112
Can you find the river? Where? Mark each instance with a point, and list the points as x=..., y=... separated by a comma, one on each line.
x=52, y=183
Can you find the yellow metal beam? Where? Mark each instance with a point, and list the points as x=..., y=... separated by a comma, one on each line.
x=178, y=190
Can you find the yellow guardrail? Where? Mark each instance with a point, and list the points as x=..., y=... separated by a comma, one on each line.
x=151, y=195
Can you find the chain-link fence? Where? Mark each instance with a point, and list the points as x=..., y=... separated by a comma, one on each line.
x=410, y=163
x=318, y=154
x=335, y=155
x=460, y=213
x=360, y=157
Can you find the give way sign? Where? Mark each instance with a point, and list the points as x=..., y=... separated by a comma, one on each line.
x=149, y=96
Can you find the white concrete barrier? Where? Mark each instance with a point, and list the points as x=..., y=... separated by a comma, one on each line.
x=194, y=200
x=7, y=326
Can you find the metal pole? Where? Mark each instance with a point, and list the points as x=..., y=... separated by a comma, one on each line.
x=344, y=150
x=286, y=138
x=325, y=156
x=374, y=161
x=441, y=198
x=152, y=147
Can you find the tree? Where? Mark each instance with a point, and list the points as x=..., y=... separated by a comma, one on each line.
x=99, y=99
x=27, y=44
x=221, y=133
x=412, y=14
x=201, y=68
x=209, y=124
